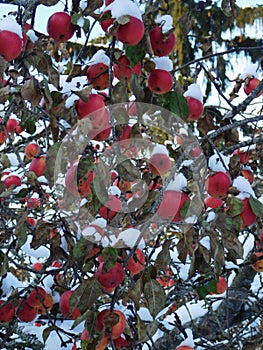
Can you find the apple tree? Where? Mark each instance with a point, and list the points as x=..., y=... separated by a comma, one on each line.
x=130, y=175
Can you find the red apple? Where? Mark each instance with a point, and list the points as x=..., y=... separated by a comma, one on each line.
x=243, y=156
x=111, y=207
x=10, y=45
x=38, y=165
x=114, y=320
x=11, y=125
x=131, y=33
x=123, y=70
x=248, y=217
x=37, y=266
x=33, y=202
x=136, y=262
x=217, y=184
x=120, y=343
x=195, y=152
x=221, y=285
x=110, y=278
x=12, y=180
x=160, y=81
x=94, y=103
x=196, y=108
x=171, y=204
x=59, y=27
x=98, y=76
x=159, y=164
x=36, y=296
x=31, y=150
x=161, y=45
x=27, y=313
x=213, y=202
x=7, y=311
x=64, y=306
x=248, y=174
x=3, y=136
x=250, y=85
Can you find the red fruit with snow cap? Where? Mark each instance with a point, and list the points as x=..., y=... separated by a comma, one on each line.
x=98, y=76
x=196, y=108
x=10, y=45
x=217, y=185
x=160, y=81
x=171, y=204
x=132, y=32
x=161, y=45
x=59, y=27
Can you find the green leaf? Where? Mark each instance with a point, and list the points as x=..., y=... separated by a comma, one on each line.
x=235, y=206
x=176, y=103
x=135, y=53
x=85, y=165
x=109, y=257
x=155, y=296
x=82, y=248
x=207, y=288
x=47, y=331
x=86, y=295
x=256, y=206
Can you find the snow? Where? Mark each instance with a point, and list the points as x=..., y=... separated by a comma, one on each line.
x=32, y=35
x=164, y=63
x=194, y=91
x=160, y=149
x=243, y=185
x=41, y=252
x=166, y=21
x=10, y=24
x=211, y=216
x=205, y=242
x=121, y=8
x=179, y=183
x=131, y=237
x=215, y=163
x=249, y=70
x=114, y=190
x=100, y=57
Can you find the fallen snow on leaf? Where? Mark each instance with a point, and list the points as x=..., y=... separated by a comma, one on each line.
x=217, y=163
x=9, y=23
x=194, y=91
x=41, y=252
x=243, y=185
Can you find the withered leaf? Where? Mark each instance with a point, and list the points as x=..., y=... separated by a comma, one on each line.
x=31, y=91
